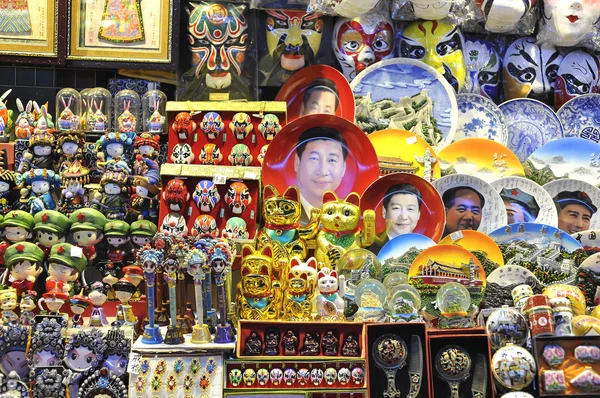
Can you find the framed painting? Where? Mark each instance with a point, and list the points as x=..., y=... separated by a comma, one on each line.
x=30, y=31
x=123, y=31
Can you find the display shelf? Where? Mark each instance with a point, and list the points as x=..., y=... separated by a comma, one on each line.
x=186, y=347
x=227, y=106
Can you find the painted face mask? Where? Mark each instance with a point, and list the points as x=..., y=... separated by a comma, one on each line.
x=438, y=44
x=176, y=195
x=241, y=125
x=577, y=75
x=269, y=126
x=182, y=154
x=431, y=9
x=174, y=224
x=293, y=37
x=238, y=197
x=360, y=42
x=212, y=125
x=206, y=195
x=569, y=21
x=210, y=154
x=483, y=69
x=240, y=155
x=261, y=155
x=235, y=377
x=184, y=125
x=235, y=229
x=218, y=41
x=529, y=70
x=276, y=376
x=503, y=15
x=205, y=224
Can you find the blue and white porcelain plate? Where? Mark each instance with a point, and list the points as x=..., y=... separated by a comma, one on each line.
x=580, y=117
x=406, y=94
x=531, y=124
x=480, y=117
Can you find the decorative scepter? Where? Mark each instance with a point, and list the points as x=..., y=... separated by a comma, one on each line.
x=150, y=261
x=220, y=262
x=196, y=261
x=174, y=335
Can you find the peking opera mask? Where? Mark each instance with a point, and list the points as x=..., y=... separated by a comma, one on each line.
x=577, y=75
x=218, y=41
x=502, y=16
x=238, y=197
x=360, y=42
x=431, y=9
x=568, y=22
x=438, y=44
x=293, y=37
x=206, y=195
x=483, y=69
x=529, y=70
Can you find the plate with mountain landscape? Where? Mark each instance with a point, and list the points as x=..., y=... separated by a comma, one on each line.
x=574, y=158
x=479, y=157
x=575, y=196
x=441, y=264
x=481, y=245
x=549, y=253
x=406, y=94
x=398, y=254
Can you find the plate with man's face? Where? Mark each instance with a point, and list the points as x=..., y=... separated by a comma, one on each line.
x=470, y=204
x=526, y=201
x=576, y=203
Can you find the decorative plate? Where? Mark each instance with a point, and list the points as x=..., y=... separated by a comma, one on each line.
x=406, y=94
x=590, y=240
x=574, y=158
x=480, y=117
x=580, y=118
x=404, y=191
x=402, y=151
x=481, y=245
x=483, y=215
x=398, y=254
x=531, y=124
x=588, y=279
x=292, y=92
x=479, y=157
x=526, y=201
x=453, y=264
x=511, y=275
x=507, y=326
x=564, y=191
x=511, y=357
x=552, y=255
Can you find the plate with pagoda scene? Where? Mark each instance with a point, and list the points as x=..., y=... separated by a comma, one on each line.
x=481, y=245
x=406, y=94
x=400, y=151
x=549, y=253
x=397, y=254
x=441, y=264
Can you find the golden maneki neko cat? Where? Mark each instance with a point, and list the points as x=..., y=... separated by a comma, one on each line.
x=337, y=228
x=259, y=295
x=298, y=301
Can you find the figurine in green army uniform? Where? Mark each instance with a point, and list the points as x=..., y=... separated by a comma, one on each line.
x=117, y=236
x=24, y=262
x=16, y=227
x=141, y=234
x=51, y=227
x=65, y=264
x=87, y=228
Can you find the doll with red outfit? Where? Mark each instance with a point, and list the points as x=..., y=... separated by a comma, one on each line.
x=24, y=262
x=87, y=229
x=65, y=264
x=116, y=233
x=16, y=227
x=51, y=227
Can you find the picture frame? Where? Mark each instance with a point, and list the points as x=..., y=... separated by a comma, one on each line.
x=99, y=38
x=35, y=34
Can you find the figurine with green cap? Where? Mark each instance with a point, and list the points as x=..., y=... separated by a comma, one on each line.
x=65, y=264
x=117, y=236
x=16, y=227
x=24, y=262
x=141, y=234
x=87, y=229
x=51, y=227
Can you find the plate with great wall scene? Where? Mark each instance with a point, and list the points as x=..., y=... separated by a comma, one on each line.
x=406, y=94
x=398, y=253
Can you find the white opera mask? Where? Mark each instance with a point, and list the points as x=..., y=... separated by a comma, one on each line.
x=503, y=15
x=577, y=75
x=431, y=9
x=569, y=21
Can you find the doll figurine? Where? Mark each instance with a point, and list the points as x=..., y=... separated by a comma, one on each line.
x=83, y=355
x=147, y=145
x=43, y=121
x=124, y=289
x=69, y=146
x=16, y=227
x=330, y=302
x=24, y=263
x=150, y=260
x=290, y=343
x=39, y=155
x=272, y=341
x=116, y=351
x=8, y=304
x=144, y=203
x=51, y=227
x=110, y=275
x=97, y=121
x=156, y=122
x=141, y=233
x=6, y=114
x=8, y=181
x=197, y=267
x=311, y=346
x=87, y=228
x=67, y=120
x=97, y=294
x=116, y=233
x=127, y=122
x=73, y=195
x=37, y=190
x=253, y=345
x=27, y=304
x=220, y=258
x=174, y=334
x=78, y=304
x=112, y=202
x=330, y=344
x=25, y=120
x=112, y=146
x=297, y=304
x=350, y=348
x=65, y=265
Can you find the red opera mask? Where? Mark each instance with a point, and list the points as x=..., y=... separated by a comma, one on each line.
x=238, y=197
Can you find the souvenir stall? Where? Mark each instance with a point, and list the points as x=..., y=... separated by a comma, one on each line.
x=324, y=199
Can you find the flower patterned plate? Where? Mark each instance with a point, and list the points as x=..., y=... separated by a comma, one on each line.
x=480, y=117
x=531, y=124
x=580, y=117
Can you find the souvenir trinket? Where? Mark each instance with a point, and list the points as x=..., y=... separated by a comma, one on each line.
x=206, y=195
x=112, y=201
x=577, y=75
x=520, y=294
x=513, y=357
x=262, y=375
x=235, y=228
x=97, y=294
x=124, y=289
x=212, y=125
x=103, y=382
x=153, y=111
x=184, y=125
x=47, y=346
x=350, y=347
x=249, y=377
x=262, y=153
x=83, y=354
x=289, y=376
x=403, y=301
x=205, y=224
x=454, y=302
x=73, y=196
x=39, y=155
x=220, y=260
x=78, y=304
x=330, y=301
x=6, y=116
x=174, y=224
x=69, y=146
x=272, y=342
x=241, y=125
x=15, y=227
x=303, y=376
x=507, y=326
x=289, y=341
x=127, y=119
x=563, y=316
x=297, y=303
x=389, y=353
x=567, y=23
x=197, y=266
x=276, y=376
x=26, y=306
x=369, y=296
x=269, y=127
x=344, y=375
x=310, y=346
x=48, y=383
x=553, y=381
x=235, y=377
x=587, y=353
x=253, y=345
x=24, y=263
x=37, y=190
x=358, y=376
x=503, y=17
x=453, y=364
x=182, y=154
x=68, y=109
x=65, y=265
x=174, y=335
x=8, y=304
x=210, y=154
x=240, y=155
x=483, y=65
x=144, y=203
x=8, y=181
x=553, y=354
x=13, y=350
x=87, y=227
x=587, y=381
x=541, y=321
x=13, y=386
x=330, y=376
x=24, y=121
x=141, y=233
x=330, y=344
x=116, y=233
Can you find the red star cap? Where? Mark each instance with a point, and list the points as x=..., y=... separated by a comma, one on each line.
x=60, y=250
x=45, y=217
x=20, y=248
x=81, y=217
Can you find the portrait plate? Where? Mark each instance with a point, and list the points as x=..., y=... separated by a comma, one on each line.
x=555, y=188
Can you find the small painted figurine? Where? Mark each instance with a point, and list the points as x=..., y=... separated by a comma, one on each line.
x=272, y=341
x=112, y=146
x=39, y=155
x=6, y=115
x=65, y=266
x=70, y=145
x=116, y=233
x=110, y=275
x=67, y=120
x=141, y=234
x=16, y=227
x=330, y=344
x=350, y=347
x=144, y=203
x=78, y=304
x=73, y=195
x=25, y=120
x=147, y=145
x=83, y=355
x=51, y=227
x=37, y=190
x=27, y=304
x=113, y=202
x=290, y=343
x=116, y=351
x=87, y=228
x=156, y=121
x=311, y=346
x=330, y=302
x=8, y=182
x=297, y=304
x=97, y=295
x=24, y=262
x=8, y=304
x=97, y=120
x=126, y=122
x=253, y=345
x=124, y=289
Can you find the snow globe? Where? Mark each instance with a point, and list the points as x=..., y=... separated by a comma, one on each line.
x=154, y=110
x=453, y=300
x=68, y=109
